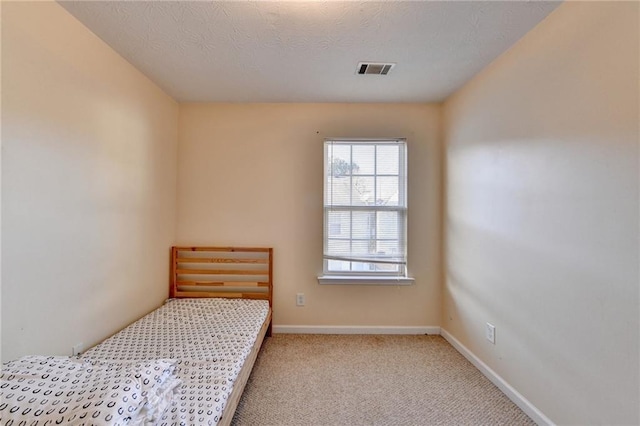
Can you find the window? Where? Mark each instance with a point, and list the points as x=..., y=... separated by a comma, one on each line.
x=365, y=209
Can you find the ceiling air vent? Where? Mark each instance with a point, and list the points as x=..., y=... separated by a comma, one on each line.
x=377, y=68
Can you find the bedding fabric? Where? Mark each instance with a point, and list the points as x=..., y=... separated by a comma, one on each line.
x=39, y=390
x=209, y=339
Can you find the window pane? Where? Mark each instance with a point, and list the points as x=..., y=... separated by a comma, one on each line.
x=387, y=160
x=338, y=265
x=339, y=160
x=364, y=159
x=339, y=223
x=339, y=191
x=362, y=247
x=389, y=248
x=383, y=267
x=387, y=225
x=363, y=191
x=363, y=224
x=387, y=189
x=341, y=151
x=338, y=247
x=363, y=267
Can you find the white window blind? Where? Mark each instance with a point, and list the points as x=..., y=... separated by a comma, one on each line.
x=365, y=207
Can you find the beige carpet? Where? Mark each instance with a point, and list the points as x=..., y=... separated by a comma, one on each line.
x=369, y=380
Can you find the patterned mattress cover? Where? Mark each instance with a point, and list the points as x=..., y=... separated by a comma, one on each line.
x=208, y=338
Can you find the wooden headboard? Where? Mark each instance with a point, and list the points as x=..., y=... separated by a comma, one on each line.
x=232, y=272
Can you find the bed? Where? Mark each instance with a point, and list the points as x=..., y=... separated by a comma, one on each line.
x=191, y=357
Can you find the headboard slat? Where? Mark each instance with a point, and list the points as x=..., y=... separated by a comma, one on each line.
x=264, y=296
x=225, y=283
x=219, y=260
x=220, y=272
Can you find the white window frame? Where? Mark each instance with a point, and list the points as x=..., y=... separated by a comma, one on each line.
x=399, y=277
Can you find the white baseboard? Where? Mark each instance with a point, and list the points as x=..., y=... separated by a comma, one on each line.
x=347, y=329
x=524, y=404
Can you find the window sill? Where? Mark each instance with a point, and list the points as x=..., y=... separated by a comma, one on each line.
x=364, y=280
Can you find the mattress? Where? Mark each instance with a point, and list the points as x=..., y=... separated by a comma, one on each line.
x=209, y=339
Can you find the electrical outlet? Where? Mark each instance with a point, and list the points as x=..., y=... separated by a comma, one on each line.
x=77, y=349
x=490, y=332
x=300, y=299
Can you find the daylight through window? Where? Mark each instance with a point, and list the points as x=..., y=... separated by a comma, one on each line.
x=365, y=207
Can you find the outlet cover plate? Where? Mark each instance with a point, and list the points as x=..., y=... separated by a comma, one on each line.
x=490, y=332
x=77, y=349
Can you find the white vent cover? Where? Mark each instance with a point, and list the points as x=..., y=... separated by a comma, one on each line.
x=377, y=68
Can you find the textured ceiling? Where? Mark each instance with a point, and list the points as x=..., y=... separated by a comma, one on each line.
x=273, y=51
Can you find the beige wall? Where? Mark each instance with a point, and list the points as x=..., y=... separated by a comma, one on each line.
x=251, y=174
x=542, y=221
x=88, y=184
